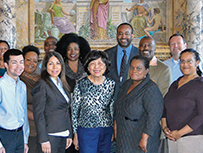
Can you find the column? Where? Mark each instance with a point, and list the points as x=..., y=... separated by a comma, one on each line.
x=8, y=22
x=194, y=25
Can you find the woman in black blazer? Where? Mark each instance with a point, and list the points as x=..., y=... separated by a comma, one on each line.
x=51, y=106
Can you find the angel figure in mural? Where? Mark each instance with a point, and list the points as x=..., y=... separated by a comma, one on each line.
x=156, y=19
x=139, y=22
x=98, y=18
x=59, y=20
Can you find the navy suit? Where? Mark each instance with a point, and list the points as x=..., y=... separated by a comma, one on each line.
x=113, y=74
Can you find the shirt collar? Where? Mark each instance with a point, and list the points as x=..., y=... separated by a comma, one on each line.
x=56, y=82
x=11, y=80
x=153, y=61
x=174, y=61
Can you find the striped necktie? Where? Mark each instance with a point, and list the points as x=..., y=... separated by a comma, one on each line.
x=123, y=65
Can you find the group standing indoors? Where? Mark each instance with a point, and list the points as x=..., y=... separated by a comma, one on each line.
x=4, y=46
x=182, y=120
x=51, y=105
x=70, y=49
x=30, y=77
x=14, y=127
x=138, y=110
x=92, y=106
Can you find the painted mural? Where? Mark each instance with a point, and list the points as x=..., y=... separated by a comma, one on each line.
x=97, y=20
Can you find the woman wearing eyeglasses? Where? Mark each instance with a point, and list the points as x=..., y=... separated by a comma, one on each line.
x=182, y=120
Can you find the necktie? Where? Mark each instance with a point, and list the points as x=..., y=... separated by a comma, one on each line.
x=123, y=65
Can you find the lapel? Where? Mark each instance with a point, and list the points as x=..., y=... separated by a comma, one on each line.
x=138, y=89
x=56, y=90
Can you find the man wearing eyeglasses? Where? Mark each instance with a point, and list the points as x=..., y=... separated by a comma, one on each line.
x=177, y=44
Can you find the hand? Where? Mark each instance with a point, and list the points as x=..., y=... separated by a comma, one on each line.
x=75, y=142
x=176, y=134
x=2, y=150
x=52, y=11
x=143, y=142
x=46, y=147
x=68, y=142
x=26, y=148
x=168, y=133
x=127, y=9
x=114, y=130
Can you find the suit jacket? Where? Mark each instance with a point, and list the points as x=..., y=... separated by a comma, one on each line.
x=51, y=110
x=161, y=75
x=138, y=112
x=113, y=74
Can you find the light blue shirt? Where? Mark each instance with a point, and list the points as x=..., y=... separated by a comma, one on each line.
x=175, y=68
x=120, y=56
x=13, y=105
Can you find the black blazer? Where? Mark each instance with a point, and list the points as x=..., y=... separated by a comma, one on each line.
x=51, y=110
x=113, y=74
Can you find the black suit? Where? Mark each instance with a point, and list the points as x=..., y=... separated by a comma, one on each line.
x=51, y=110
x=113, y=74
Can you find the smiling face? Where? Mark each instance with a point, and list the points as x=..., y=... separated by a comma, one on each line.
x=137, y=71
x=31, y=61
x=97, y=67
x=73, y=52
x=49, y=45
x=124, y=36
x=147, y=48
x=15, y=66
x=54, y=67
x=3, y=48
x=177, y=45
x=188, y=64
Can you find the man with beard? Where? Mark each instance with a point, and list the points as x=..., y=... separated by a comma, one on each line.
x=123, y=51
x=177, y=44
x=159, y=72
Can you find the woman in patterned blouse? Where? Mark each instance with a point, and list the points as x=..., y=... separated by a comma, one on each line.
x=92, y=106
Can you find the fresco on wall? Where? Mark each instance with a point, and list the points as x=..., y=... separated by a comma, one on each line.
x=97, y=20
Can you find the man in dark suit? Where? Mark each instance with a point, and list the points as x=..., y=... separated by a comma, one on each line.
x=118, y=72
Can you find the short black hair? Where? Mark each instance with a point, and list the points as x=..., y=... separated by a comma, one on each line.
x=177, y=34
x=30, y=48
x=51, y=37
x=141, y=58
x=11, y=52
x=194, y=52
x=94, y=55
x=4, y=41
x=125, y=23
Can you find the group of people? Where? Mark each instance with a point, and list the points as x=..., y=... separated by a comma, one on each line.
x=78, y=99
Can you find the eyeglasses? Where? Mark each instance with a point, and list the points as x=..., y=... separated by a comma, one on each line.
x=189, y=61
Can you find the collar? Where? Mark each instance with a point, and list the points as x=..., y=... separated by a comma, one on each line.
x=153, y=61
x=128, y=49
x=56, y=82
x=174, y=61
x=11, y=80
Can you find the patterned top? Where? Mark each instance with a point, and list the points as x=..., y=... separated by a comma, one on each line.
x=93, y=104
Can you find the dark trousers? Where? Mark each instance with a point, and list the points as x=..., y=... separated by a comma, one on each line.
x=58, y=144
x=34, y=145
x=12, y=141
x=95, y=140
